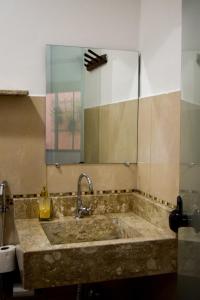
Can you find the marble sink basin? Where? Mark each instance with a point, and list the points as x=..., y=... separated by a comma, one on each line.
x=126, y=236
x=93, y=228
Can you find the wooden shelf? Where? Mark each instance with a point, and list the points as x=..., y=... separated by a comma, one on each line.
x=14, y=93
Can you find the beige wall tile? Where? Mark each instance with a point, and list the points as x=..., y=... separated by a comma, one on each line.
x=144, y=144
x=144, y=130
x=22, y=132
x=91, y=135
x=165, y=147
x=105, y=177
x=165, y=141
x=143, y=177
x=164, y=181
x=159, y=146
x=118, y=132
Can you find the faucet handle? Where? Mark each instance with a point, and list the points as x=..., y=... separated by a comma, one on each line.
x=89, y=210
x=84, y=211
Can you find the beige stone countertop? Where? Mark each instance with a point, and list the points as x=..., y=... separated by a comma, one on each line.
x=33, y=238
x=139, y=249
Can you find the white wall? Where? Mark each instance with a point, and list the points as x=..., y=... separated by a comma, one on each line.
x=27, y=26
x=119, y=77
x=115, y=81
x=160, y=45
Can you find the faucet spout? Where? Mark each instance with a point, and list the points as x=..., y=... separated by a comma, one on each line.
x=80, y=209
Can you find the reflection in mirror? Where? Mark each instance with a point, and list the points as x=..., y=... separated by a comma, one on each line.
x=190, y=108
x=91, y=105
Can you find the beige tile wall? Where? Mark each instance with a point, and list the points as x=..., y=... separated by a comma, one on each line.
x=105, y=177
x=159, y=146
x=22, y=154
x=91, y=134
x=144, y=145
x=22, y=143
x=113, y=137
x=118, y=132
x=22, y=151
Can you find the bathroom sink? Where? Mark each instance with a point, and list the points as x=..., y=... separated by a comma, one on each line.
x=93, y=228
x=114, y=242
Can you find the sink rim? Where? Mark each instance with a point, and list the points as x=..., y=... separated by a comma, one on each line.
x=33, y=239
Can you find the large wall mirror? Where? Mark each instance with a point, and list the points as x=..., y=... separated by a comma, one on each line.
x=91, y=105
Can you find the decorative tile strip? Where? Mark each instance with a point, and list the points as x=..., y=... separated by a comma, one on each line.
x=19, y=196
x=156, y=199
x=24, y=196
x=98, y=192
x=107, y=192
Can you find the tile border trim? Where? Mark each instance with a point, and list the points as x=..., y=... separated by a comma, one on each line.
x=98, y=192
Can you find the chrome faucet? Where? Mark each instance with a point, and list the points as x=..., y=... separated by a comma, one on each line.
x=80, y=209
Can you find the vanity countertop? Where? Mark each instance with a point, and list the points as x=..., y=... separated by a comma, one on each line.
x=140, y=248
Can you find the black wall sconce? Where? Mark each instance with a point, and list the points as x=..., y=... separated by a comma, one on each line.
x=94, y=61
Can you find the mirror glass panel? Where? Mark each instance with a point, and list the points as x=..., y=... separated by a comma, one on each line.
x=91, y=105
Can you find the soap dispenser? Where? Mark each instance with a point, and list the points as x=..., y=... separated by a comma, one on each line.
x=44, y=205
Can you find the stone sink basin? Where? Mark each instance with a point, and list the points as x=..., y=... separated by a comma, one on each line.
x=88, y=229
x=126, y=236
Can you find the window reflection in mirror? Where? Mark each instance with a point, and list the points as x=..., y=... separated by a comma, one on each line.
x=63, y=118
x=91, y=116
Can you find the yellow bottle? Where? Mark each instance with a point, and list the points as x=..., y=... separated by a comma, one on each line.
x=44, y=205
